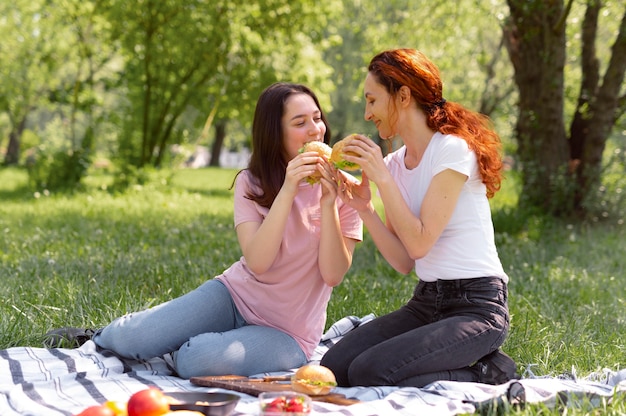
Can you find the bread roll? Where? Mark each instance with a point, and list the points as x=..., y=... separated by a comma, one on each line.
x=313, y=379
x=323, y=150
x=337, y=155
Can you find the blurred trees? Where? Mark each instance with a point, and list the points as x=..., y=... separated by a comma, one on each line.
x=462, y=38
x=201, y=54
x=129, y=79
x=29, y=61
x=159, y=67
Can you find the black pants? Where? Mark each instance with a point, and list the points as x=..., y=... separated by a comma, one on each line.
x=445, y=328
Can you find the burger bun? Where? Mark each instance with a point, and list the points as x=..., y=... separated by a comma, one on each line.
x=314, y=380
x=337, y=155
x=323, y=150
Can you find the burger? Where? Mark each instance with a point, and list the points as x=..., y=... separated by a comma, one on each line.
x=337, y=155
x=313, y=379
x=323, y=150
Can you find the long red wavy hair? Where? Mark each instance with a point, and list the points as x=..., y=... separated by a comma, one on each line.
x=409, y=67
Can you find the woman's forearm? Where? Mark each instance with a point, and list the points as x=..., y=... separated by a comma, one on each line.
x=387, y=242
x=335, y=255
x=261, y=250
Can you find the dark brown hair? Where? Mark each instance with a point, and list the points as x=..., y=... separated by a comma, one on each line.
x=268, y=161
x=409, y=67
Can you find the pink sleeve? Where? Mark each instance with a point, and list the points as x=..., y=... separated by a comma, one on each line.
x=351, y=223
x=246, y=210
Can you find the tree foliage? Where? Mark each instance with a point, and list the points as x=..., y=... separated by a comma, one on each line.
x=131, y=79
x=30, y=57
x=170, y=49
x=462, y=38
x=51, y=73
x=215, y=52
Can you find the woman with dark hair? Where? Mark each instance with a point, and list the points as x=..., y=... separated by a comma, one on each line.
x=267, y=311
x=435, y=192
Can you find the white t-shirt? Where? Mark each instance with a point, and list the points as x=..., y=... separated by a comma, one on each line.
x=466, y=248
x=291, y=295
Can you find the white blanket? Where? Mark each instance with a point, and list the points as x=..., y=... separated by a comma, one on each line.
x=50, y=382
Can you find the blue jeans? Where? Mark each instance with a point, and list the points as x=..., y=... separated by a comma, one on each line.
x=445, y=328
x=206, y=333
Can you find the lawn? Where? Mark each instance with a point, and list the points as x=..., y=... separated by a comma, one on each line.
x=83, y=259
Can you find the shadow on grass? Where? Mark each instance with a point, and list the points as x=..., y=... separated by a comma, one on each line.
x=21, y=193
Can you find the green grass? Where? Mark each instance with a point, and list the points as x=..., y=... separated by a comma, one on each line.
x=84, y=259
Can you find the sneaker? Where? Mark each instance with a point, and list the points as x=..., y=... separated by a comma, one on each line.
x=67, y=337
x=496, y=368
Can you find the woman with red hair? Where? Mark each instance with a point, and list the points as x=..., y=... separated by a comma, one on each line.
x=435, y=192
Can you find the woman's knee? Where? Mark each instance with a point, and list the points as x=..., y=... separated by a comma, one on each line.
x=201, y=358
x=364, y=374
x=337, y=366
x=122, y=338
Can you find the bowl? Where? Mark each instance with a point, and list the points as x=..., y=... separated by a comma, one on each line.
x=287, y=403
x=210, y=404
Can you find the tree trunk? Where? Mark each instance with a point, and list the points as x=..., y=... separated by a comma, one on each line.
x=12, y=157
x=562, y=174
x=535, y=40
x=493, y=92
x=216, y=148
x=598, y=108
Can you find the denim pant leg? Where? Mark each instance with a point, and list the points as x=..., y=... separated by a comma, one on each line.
x=207, y=334
x=468, y=319
x=244, y=351
x=165, y=327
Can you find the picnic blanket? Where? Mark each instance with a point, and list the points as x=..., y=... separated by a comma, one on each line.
x=50, y=382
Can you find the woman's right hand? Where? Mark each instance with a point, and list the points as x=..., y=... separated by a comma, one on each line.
x=367, y=154
x=298, y=168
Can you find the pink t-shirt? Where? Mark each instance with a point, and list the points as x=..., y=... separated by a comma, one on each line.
x=291, y=295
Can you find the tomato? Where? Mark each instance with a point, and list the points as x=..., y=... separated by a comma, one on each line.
x=100, y=410
x=286, y=405
x=275, y=406
x=148, y=402
x=294, y=406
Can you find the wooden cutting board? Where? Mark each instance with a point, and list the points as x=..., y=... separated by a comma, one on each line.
x=254, y=387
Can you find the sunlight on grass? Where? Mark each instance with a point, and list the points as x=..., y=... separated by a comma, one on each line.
x=86, y=258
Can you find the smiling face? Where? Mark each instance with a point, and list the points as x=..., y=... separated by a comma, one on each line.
x=379, y=107
x=301, y=122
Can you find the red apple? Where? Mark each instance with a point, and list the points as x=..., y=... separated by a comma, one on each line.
x=148, y=402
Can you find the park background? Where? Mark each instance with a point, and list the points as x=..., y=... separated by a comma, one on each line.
x=103, y=103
